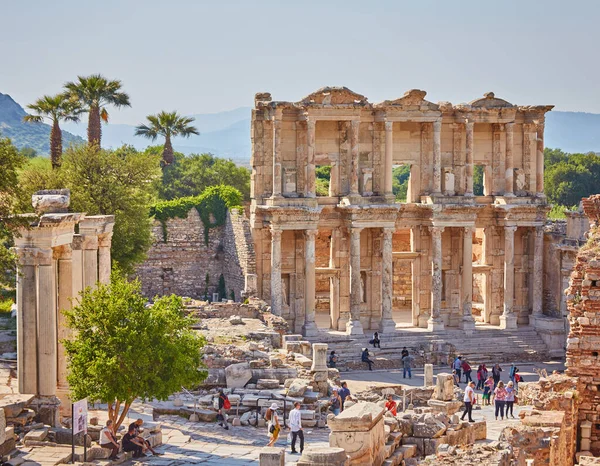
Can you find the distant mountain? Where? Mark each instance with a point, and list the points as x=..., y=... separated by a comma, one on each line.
x=22, y=134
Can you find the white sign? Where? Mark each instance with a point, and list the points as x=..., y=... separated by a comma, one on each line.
x=80, y=416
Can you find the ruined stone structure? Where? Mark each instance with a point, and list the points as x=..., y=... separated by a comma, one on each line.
x=365, y=259
x=54, y=265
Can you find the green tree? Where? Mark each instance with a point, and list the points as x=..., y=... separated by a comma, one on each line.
x=10, y=161
x=28, y=152
x=123, y=350
x=167, y=125
x=56, y=109
x=400, y=178
x=569, y=177
x=95, y=93
x=478, y=180
x=221, y=289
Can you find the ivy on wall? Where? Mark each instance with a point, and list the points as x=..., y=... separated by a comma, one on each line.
x=212, y=206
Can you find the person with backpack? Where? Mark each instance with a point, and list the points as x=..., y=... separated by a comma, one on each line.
x=273, y=426
x=457, y=366
x=224, y=405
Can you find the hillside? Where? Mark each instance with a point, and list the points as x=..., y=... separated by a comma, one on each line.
x=22, y=134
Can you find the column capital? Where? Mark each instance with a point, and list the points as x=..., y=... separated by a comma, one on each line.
x=356, y=230
x=389, y=125
x=388, y=230
x=311, y=233
x=311, y=123
x=510, y=228
x=469, y=230
x=105, y=240
x=436, y=230
x=354, y=124
x=33, y=256
x=498, y=127
x=437, y=125
x=469, y=124
x=64, y=252
x=509, y=126
x=89, y=242
x=276, y=233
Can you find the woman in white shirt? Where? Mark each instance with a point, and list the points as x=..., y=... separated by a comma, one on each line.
x=108, y=440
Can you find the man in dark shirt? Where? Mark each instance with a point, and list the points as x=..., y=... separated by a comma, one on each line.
x=137, y=426
x=404, y=352
x=344, y=393
x=132, y=443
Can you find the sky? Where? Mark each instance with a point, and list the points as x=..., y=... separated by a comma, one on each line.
x=197, y=56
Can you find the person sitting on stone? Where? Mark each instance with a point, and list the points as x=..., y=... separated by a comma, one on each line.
x=109, y=441
x=365, y=358
x=376, y=342
x=344, y=393
x=335, y=402
x=132, y=443
x=391, y=405
x=332, y=360
x=137, y=426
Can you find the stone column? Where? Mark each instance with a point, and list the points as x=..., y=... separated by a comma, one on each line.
x=387, y=323
x=428, y=373
x=437, y=157
x=276, y=271
x=27, y=296
x=389, y=150
x=104, y=264
x=510, y=169
x=538, y=274
x=539, y=172
x=334, y=179
x=47, y=338
x=415, y=246
x=310, y=159
x=469, y=158
x=77, y=265
x=468, y=322
x=354, y=327
x=354, y=163
x=65, y=291
x=277, y=154
x=508, y=319
x=90, y=261
x=310, y=328
x=435, y=322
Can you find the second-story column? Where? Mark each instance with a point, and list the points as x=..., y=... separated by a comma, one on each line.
x=437, y=157
x=539, y=172
x=277, y=153
x=468, y=322
x=354, y=153
x=310, y=327
x=538, y=274
x=508, y=319
x=310, y=158
x=354, y=327
x=389, y=151
x=276, y=271
x=90, y=260
x=469, y=158
x=387, y=323
x=435, y=321
x=104, y=244
x=510, y=167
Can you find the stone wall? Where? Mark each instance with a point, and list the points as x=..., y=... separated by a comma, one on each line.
x=180, y=264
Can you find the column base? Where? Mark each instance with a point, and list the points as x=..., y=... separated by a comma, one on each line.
x=354, y=327
x=435, y=325
x=387, y=326
x=467, y=324
x=47, y=409
x=508, y=321
x=469, y=195
x=310, y=329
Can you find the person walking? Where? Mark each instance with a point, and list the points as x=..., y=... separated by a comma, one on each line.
x=512, y=372
x=332, y=363
x=344, y=393
x=466, y=368
x=407, y=364
x=496, y=374
x=469, y=400
x=224, y=405
x=500, y=399
x=404, y=352
x=482, y=376
x=273, y=426
x=109, y=441
x=376, y=341
x=296, y=427
x=457, y=366
x=365, y=358
x=335, y=402
x=455, y=377
x=510, y=399
x=488, y=388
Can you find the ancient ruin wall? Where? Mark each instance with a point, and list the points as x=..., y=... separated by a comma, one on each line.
x=179, y=265
x=583, y=344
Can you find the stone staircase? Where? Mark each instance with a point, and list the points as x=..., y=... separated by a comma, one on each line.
x=487, y=345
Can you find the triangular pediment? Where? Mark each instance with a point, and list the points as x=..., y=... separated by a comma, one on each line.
x=489, y=100
x=414, y=98
x=334, y=96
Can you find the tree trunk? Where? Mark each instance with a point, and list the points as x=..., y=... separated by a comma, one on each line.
x=116, y=415
x=168, y=156
x=94, y=126
x=55, y=145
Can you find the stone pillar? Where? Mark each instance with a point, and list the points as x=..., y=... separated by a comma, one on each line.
x=428, y=372
x=354, y=327
x=334, y=301
x=277, y=153
x=271, y=456
x=387, y=323
x=539, y=172
x=469, y=158
x=354, y=163
x=310, y=327
x=310, y=159
x=435, y=321
x=468, y=322
x=47, y=338
x=276, y=271
x=104, y=264
x=415, y=246
x=437, y=157
x=27, y=297
x=90, y=261
x=65, y=291
x=389, y=150
x=508, y=319
x=77, y=266
x=538, y=274
x=510, y=169
x=319, y=357
x=334, y=179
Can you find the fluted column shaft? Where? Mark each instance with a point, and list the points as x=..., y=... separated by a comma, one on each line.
x=310, y=327
x=354, y=152
x=387, y=323
x=539, y=172
x=277, y=156
x=468, y=322
x=508, y=319
x=389, y=150
x=276, y=271
x=47, y=338
x=437, y=157
x=435, y=321
x=310, y=159
x=510, y=169
x=354, y=326
x=469, y=158
x=104, y=264
x=538, y=272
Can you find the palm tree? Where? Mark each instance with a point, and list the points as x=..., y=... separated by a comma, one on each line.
x=95, y=92
x=168, y=125
x=56, y=108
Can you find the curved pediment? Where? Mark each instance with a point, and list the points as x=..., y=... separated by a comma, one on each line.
x=334, y=96
x=414, y=98
x=489, y=100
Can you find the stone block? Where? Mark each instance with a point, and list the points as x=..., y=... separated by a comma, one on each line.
x=14, y=404
x=319, y=355
x=300, y=347
x=320, y=376
x=430, y=445
x=37, y=434
x=444, y=389
x=238, y=375
x=430, y=428
x=323, y=456
x=445, y=407
x=206, y=415
x=271, y=456
x=298, y=387
x=302, y=360
x=479, y=430
x=265, y=384
x=428, y=370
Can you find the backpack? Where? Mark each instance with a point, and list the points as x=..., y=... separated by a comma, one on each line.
x=226, y=403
